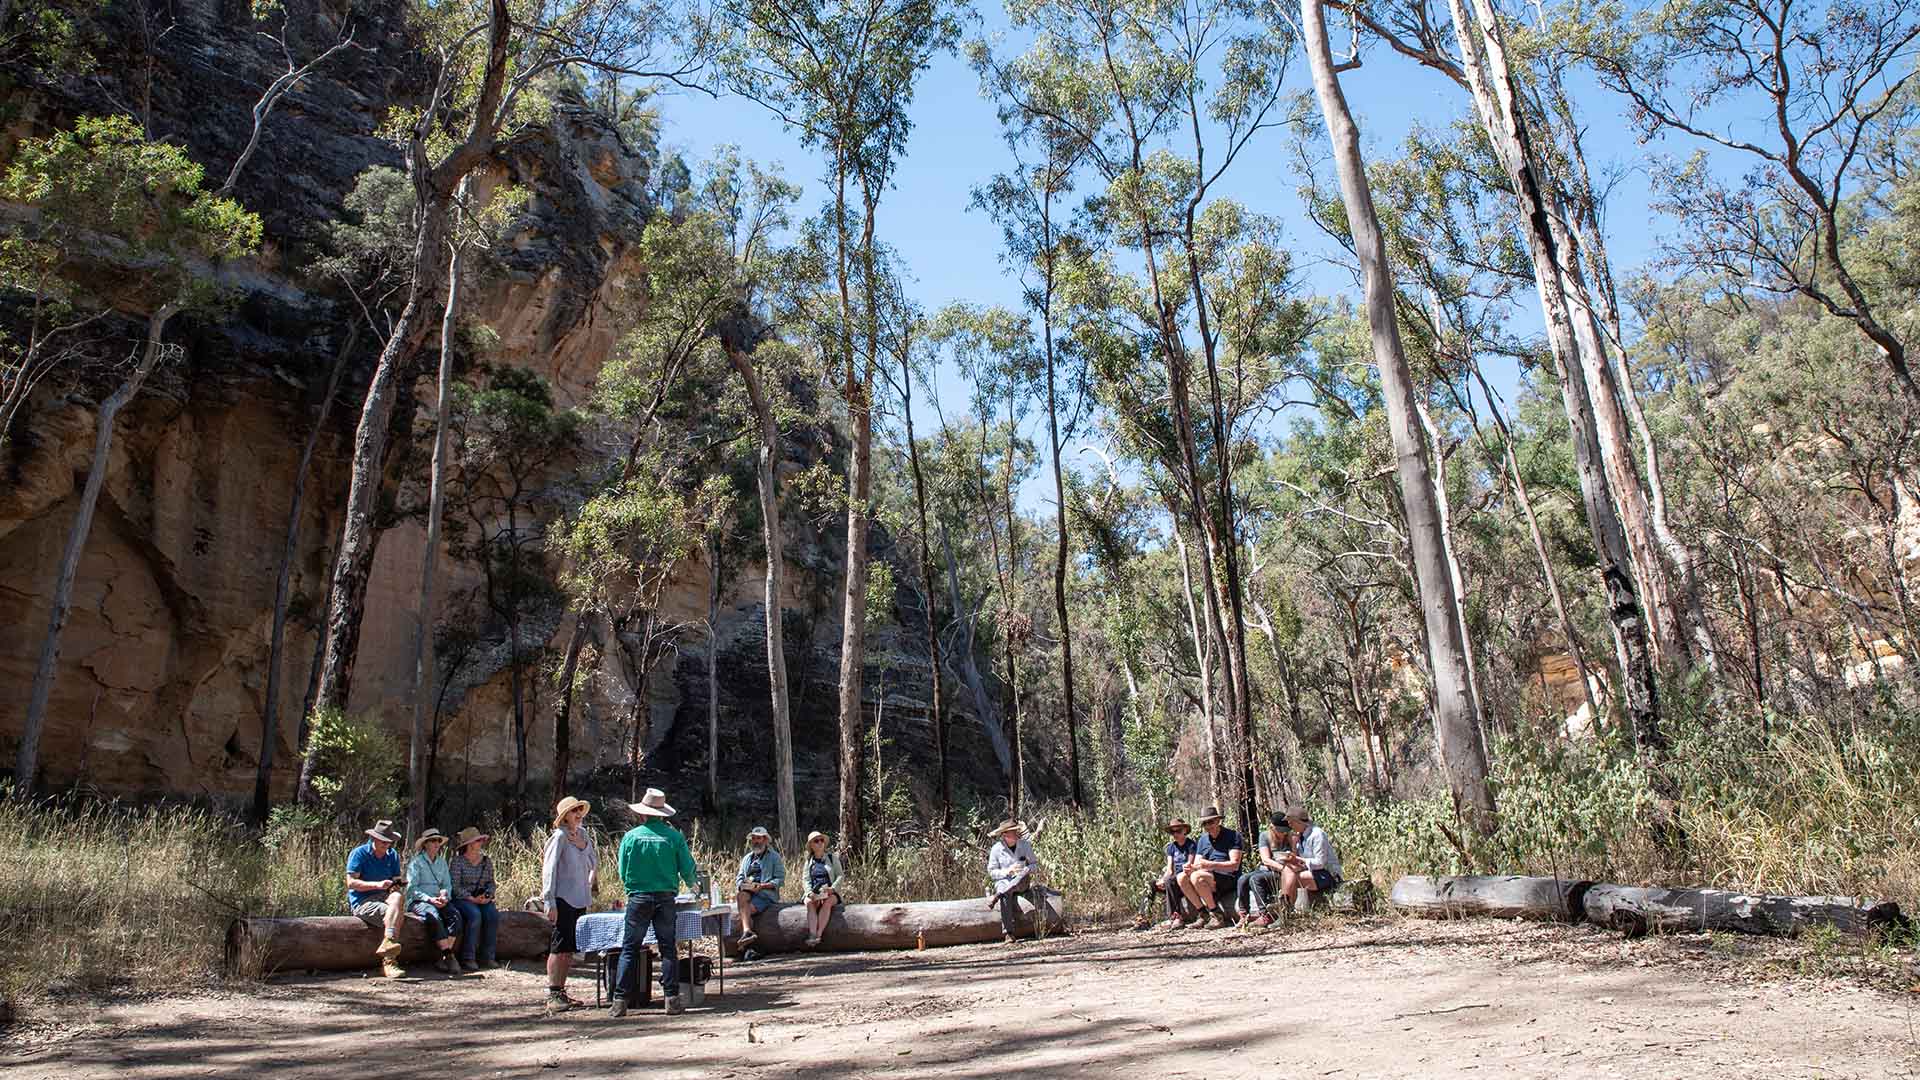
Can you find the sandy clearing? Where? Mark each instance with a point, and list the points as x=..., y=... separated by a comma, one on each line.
x=1386, y=998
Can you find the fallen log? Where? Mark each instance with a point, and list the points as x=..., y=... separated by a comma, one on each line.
x=1492, y=896
x=861, y=927
x=1639, y=911
x=346, y=943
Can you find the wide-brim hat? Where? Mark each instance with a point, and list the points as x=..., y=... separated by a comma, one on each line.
x=1297, y=812
x=567, y=806
x=383, y=832
x=652, y=804
x=816, y=835
x=469, y=835
x=1178, y=823
x=1010, y=825
x=431, y=834
x=759, y=832
x=1208, y=816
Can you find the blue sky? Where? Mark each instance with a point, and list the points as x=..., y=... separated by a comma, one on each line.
x=953, y=251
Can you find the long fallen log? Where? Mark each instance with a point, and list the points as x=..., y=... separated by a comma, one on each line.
x=1638, y=911
x=345, y=943
x=860, y=927
x=1493, y=896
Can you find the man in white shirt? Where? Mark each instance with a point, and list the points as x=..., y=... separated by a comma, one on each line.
x=1315, y=865
x=1012, y=866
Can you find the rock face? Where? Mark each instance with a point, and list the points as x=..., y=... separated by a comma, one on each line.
x=162, y=665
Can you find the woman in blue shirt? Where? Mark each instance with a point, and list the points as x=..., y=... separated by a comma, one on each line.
x=1180, y=851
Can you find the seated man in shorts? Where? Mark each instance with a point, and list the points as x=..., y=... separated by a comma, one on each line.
x=1315, y=865
x=757, y=885
x=1213, y=874
x=373, y=892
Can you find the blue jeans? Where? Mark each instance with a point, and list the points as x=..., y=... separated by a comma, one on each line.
x=482, y=923
x=644, y=908
x=441, y=922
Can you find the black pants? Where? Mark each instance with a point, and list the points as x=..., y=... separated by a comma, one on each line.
x=1176, y=900
x=1010, y=905
x=1261, y=886
x=644, y=909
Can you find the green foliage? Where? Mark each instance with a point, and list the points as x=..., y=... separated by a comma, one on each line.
x=359, y=767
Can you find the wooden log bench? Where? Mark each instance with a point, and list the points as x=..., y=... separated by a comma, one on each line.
x=1635, y=910
x=863, y=927
x=346, y=943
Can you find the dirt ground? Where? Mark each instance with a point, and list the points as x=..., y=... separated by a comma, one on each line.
x=1378, y=998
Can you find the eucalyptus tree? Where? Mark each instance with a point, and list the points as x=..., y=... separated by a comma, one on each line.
x=1161, y=98
x=841, y=74
x=489, y=62
x=1457, y=724
x=103, y=187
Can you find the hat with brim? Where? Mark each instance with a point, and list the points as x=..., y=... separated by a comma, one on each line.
x=1010, y=826
x=816, y=835
x=383, y=832
x=1296, y=812
x=430, y=835
x=468, y=836
x=1178, y=824
x=567, y=806
x=652, y=804
x=759, y=832
x=1208, y=816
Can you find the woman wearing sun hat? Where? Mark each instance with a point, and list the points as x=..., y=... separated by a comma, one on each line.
x=569, y=878
x=822, y=872
x=473, y=889
x=430, y=895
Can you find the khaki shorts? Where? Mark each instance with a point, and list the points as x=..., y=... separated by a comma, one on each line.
x=372, y=912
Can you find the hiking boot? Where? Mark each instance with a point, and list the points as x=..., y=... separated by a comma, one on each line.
x=469, y=965
x=390, y=968
x=617, y=1009
x=389, y=948
x=559, y=1003
x=446, y=964
x=1263, y=921
x=674, y=1005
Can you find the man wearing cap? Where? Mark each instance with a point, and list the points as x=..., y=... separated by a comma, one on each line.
x=373, y=891
x=654, y=859
x=1180, y=851
x=1214, y=870
x=1315, y=865
x=757, y=885
x=1011, y=865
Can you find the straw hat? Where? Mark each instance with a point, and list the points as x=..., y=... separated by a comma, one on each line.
x=431, y=834
x=1208, y=816
x=652, y=804
x=567, y=806
x=816, y=835
x=1010, y=826
x=383, y=832
x=1178, y=823
x=469, y=835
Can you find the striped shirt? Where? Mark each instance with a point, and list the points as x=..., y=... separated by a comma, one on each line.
x=471, y=880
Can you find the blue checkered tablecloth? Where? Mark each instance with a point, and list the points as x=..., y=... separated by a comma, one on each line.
x=605, y=931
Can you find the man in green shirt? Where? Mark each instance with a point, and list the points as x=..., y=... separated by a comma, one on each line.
x=654, y=859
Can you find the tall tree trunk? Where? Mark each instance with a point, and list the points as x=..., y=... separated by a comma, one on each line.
x=1443, y=504
x=713, y=672
x=1458, y=728
x=276, y=639
x=1633, y=641
x=926, y=589
x=27, y=764
x=1009, y=638
x=853, y=609
x=563, y=714
x=423, y=657
x=1203, y=659
x=1060, y=505
x=767, y=482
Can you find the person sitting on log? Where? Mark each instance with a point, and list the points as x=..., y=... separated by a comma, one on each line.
x=1315, y=864
x=1180, y=851
x=757, y=885
x=654, y=860
x=1213, y=873
x=430, y=896
x=824, y=873
x=1012, y=866
x=473, y=888
x=569, y=880
x=1257, y=888
x=373, y=892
